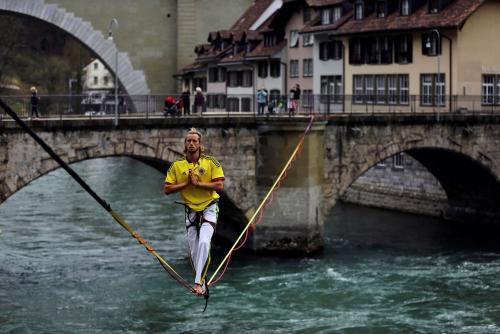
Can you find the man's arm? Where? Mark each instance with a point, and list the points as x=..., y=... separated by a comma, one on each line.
x=170, y=188
x=216, y=184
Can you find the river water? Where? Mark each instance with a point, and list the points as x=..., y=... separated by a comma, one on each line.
x=67, y=267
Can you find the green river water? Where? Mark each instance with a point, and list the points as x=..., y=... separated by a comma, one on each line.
x=67, y=267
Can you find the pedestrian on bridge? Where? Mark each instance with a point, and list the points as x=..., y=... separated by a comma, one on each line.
x=34, y=102
x=199, y=101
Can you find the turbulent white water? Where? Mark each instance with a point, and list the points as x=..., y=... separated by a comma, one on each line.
x=67, y=267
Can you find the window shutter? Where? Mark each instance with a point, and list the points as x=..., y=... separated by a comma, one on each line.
x=351, y=51
x=409, y=45
x=322, y=50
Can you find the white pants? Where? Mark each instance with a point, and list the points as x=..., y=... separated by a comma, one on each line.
x=199, y=241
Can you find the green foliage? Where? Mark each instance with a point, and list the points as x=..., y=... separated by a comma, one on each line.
x=35, y=53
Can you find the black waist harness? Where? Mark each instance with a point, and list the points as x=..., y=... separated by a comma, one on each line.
x=198, y=218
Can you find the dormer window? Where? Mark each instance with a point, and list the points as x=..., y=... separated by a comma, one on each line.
x=405, y=7
x=358, y=11
x=381, y=8
x=433, y=6
x=248, y=47
x=269, y=40
x=325, y=16
x=331, y=15
x=337, y=13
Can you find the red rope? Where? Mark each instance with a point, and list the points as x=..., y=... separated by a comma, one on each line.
x=268, y=201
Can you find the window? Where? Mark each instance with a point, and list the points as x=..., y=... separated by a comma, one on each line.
x=381, y=89
x=262, y=69
x=330, y=50
x=270, y=40
x=106, y=80
x=403, y=46
x=232, y=78
x=325, y=16
x=331, y=89
x=337, y=13
x=392, y=89
x=246, y=104
x=239, y=78
x=431, y=44
x=358, y=11
x=405, y=8
x=221, y=74
x=404, y=89
x=200, y=82
x=369, y=88
x=233, y=104
x=356, y=51
x=307, y=67
x=96, y=80
x=432, y=89
x=216, y=101
x=213, y=74
x=379, y=50
x=358, y=89
x=490, y=91
x=427, y=91
x=294, y=68
x=275, y=68
x=381, y=8
x=246, y=79
x=249, y=47
x=96, y=65
x=385, y=56
x=307, y=98
x=307, y=40
x=294, y=38
x=398, y=161
x=433, y=6
x=380, y=82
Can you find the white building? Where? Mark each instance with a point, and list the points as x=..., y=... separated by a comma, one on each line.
x=97, y=77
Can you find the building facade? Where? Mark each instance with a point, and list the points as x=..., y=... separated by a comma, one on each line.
x=357, y=55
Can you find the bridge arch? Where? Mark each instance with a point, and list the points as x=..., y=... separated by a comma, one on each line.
x=133, y=81
x=471, y=182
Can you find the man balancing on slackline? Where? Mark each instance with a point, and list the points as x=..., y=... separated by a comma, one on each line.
x=198, y=178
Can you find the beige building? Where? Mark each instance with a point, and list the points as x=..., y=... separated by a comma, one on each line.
x=415, y=55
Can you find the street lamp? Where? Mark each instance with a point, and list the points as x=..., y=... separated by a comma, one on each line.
x=428, y=45
x=112, y=23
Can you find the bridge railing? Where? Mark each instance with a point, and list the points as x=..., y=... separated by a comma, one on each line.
x=225, y=105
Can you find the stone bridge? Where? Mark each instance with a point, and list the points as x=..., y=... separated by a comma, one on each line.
x=461, y=151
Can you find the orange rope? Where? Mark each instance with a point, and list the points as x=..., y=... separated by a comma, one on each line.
x=267, y=200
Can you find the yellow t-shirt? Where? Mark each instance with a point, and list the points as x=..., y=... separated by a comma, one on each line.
x=206, y=169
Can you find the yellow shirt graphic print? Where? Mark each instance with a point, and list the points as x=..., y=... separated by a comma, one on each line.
x=206, y=169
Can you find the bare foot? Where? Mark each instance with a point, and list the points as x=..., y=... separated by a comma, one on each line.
x=198, y=289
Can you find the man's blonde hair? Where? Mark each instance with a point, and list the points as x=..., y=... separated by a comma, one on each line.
x=193, y=131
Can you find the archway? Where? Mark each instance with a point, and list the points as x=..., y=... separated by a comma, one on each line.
x=133, y=81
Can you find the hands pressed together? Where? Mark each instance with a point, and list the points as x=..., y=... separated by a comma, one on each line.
x=192, y=179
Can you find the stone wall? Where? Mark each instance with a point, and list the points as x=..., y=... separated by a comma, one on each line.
x=399, y=183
